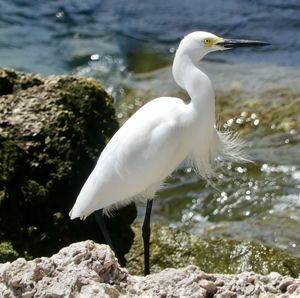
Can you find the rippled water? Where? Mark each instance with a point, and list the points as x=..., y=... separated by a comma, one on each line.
x=56, y=36
x=259, y=202
x=120, y=42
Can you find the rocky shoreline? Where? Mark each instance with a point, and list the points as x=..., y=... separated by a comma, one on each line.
x=87, y=269
x=51, y=133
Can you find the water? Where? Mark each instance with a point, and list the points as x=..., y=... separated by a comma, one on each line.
x=56, y=36
x=121, y=42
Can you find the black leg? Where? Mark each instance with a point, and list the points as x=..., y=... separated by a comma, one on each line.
x=146, y=237
x=100, y=221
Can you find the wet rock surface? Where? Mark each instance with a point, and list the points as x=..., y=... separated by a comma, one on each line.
x=175, y=248
x=87, y=269
x=52, y=131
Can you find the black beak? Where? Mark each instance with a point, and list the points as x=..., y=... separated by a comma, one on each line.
x=241, y=43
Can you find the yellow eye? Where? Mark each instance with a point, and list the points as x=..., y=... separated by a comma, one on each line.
x=207, y=41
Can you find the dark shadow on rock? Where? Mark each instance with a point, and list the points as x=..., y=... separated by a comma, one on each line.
x=118, y=228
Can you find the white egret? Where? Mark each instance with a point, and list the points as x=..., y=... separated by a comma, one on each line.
x=160, y=135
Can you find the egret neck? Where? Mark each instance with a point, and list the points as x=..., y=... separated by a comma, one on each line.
x=199, y=87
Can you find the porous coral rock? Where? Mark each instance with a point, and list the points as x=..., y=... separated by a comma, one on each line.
x=87, y=269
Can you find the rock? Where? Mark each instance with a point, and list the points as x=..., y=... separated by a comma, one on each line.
x=176, y=248
x=87, y=269
x=7, y=252
x=209, y=286
x=293, y=288
x=52, y=131
x=285, y=283
x=84, y=267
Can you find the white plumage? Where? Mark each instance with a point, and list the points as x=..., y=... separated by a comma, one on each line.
x=160, y=135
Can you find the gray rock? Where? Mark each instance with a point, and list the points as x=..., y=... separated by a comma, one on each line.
x=83, y=268
x=86, y=269
x=52, y=130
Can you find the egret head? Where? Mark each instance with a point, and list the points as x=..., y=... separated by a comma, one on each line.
x=198, y=44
